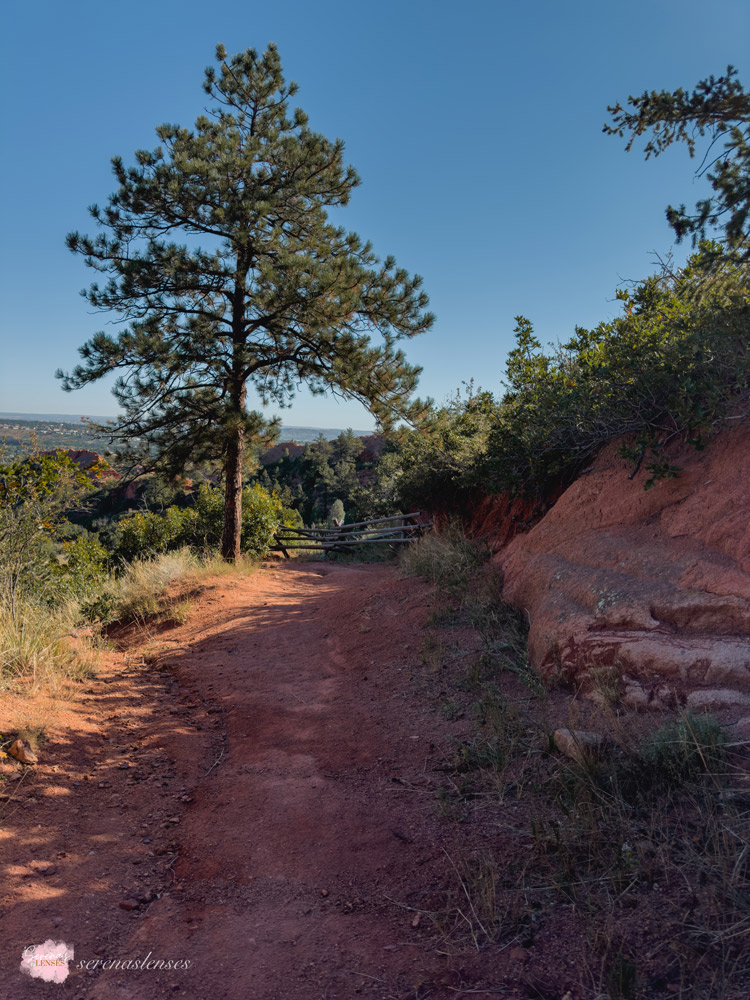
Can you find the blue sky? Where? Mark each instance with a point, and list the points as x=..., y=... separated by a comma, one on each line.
x=476, y=128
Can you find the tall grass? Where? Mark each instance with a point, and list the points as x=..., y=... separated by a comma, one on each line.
x=141, y=591
x=39, y=642
x=447, y=559
x=137, y=594
x=35, y=643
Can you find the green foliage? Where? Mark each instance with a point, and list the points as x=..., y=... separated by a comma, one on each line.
x=324, y=472
x=82, y=567
x=146, y=533
x=441, y=459
x=262, y=290
x=36, y=493
x=720, y=107
x=668, y=368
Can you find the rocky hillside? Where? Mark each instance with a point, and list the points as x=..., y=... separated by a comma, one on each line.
x=655, y=583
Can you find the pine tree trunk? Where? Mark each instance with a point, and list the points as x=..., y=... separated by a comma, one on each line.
x=231, y=539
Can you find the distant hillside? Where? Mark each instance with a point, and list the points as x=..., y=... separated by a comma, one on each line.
x=303, y=435
x=64, y=418
x=66, y=430
x=20, y=436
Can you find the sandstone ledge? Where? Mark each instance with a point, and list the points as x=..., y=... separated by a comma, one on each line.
x=656, y=583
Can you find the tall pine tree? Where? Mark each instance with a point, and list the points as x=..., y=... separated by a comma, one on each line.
x=224, y=267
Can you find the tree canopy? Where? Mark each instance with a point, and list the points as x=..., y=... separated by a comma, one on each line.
x=223, y=266
x=720, y=108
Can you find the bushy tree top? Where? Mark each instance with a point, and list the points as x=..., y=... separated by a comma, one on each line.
x=222, y=263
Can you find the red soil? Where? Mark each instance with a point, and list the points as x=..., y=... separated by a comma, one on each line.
x=267, y=772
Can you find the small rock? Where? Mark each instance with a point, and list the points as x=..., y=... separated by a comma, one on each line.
x=415, y=921
x=577, y=744
x=713, y=698
x=635, y=696
x=21, y=750
x=49, y=870
x=129, y=904
x=324, y=892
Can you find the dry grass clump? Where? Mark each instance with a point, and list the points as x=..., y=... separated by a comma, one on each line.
x=447, y=559
x=46, y=643
x=150, y=588
x=137, y=594
x=35, y=643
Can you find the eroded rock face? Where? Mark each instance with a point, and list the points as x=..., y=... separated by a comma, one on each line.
x=656, y=583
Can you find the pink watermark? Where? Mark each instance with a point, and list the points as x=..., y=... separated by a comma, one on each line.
x=48, y=961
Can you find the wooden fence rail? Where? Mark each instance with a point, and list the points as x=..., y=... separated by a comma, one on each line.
x=379, y=531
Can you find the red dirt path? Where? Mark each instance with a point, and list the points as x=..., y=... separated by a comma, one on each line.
x=268, y=772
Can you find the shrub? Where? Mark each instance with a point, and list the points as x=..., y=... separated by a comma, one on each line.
x=441, y=461
x=148, y=532
x=668, y=368
x=36, y=492
x=82, y=567
x=336, y=514
x=684, y=750
x=200, y=526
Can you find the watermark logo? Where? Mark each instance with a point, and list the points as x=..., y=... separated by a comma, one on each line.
x=48, y=961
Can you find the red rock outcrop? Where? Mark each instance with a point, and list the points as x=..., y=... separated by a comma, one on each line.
x=655, y=582
x=498, y=518
x=276, y=453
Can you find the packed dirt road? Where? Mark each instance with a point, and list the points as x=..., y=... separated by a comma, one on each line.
x=251, y=797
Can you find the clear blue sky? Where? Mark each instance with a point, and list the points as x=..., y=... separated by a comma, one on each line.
x=475, y=127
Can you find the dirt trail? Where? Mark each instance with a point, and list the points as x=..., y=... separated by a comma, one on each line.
x=268, y=772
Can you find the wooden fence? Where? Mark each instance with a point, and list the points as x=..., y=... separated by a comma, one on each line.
x=398, y=529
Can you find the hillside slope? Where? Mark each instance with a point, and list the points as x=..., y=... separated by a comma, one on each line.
x=653, y=582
